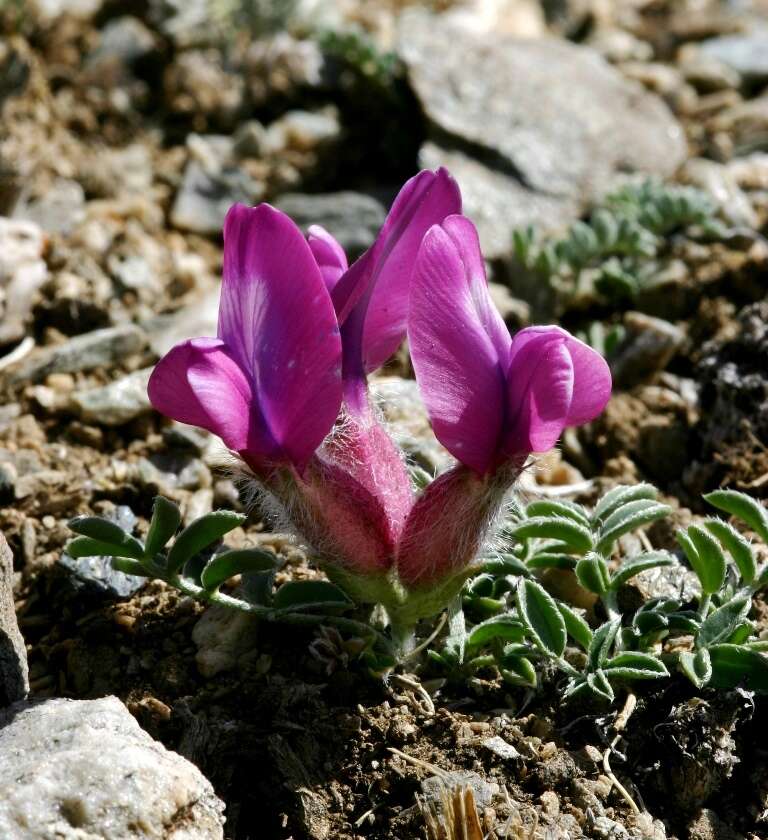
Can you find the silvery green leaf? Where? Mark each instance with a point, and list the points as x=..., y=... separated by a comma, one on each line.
x=639, y=563
x=602, y=641
x=621, y=495
x=719, y=625
x=541, y=617
x=558, y=508
x=518, y=670
x=549, y=560
x=697, y=666
x=705, y=556
x=627, y=517
x=87, y=547
x=105, y=533
x=456, y=640
x=743, y=507
x=227, y=564
x=165, y=521
x=599, y=684
x=503, y=628
x=310, y=594
x=736, y=666
x=576, y=536
x=592, y=573
x=577, y=628
x=634, y=665
x=200, y=534
x=736, y=545
x=505, y=564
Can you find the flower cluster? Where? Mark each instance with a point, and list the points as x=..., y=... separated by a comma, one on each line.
x=284, y=386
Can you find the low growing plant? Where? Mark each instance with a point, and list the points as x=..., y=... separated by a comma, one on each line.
x=619, y=247
x=710, y=640
x=284, y=385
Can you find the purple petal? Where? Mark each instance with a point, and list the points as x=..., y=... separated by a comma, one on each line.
x=329, y=255
x=540, y=390
x=591, y=382
x=457, y=364
x=277, y=319
x=371, y=299
x=464, y=235
x=198, y=382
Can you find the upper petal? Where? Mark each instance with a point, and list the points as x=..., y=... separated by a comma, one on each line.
x=540, y=390
x=329, y=255
x=456, y=362
x=277, y=318
x=378, y=288
x=198, y=382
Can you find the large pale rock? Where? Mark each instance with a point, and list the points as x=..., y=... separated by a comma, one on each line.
x=549, y=116
x=353, y=218
x=84, y=769
x=14, y=675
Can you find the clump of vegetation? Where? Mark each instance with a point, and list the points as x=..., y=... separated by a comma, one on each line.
x=510, y=622
x=618, y=249
x=505, y=619
x=257, y=17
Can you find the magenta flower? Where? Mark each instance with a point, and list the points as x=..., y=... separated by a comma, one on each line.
x=270, y=384
x=492, y=399
x=284, y=386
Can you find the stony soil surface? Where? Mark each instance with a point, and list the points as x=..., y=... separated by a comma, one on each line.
x=128, y=129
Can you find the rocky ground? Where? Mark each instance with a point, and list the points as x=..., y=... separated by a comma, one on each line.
x=127, y=131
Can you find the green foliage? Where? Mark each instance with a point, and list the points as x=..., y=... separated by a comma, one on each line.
x=505, y=621
x=256, y=17
x=523, y=631
x=193, y=565
x=621, y=243
x=358, y=52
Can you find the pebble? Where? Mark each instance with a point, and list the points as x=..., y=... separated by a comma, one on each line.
x=353, y=218
x=77, y=769
x=99, y=348
x=211, y=184
x=14, y=673
x=649, y=345
x=746, y=53
x=722, y=185
x=121, y=401
x=59, y=210
x=500, y=748
x=223, y=636
x=550, y=115
x=22, y=272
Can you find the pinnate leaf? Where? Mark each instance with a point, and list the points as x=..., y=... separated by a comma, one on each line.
x=736, y=545
x=573, y=534
x=742, y=507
